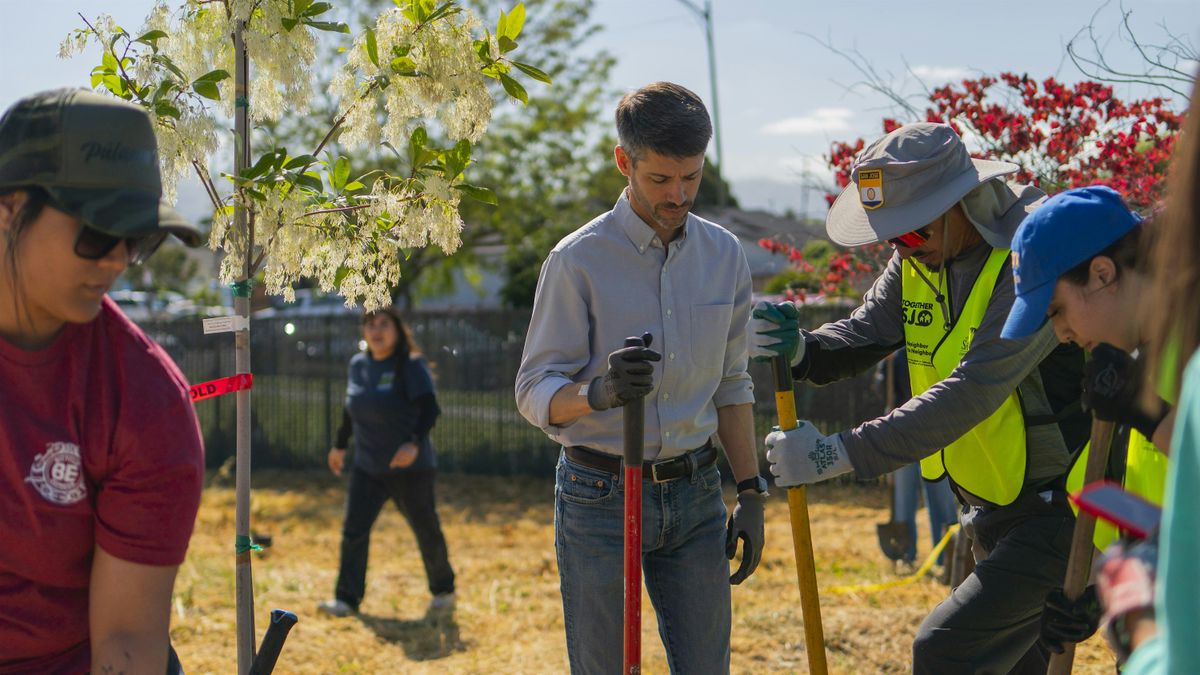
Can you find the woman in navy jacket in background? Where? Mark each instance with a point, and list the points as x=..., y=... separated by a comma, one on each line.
x=390, y=409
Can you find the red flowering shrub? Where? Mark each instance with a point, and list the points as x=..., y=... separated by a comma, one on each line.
x=1061, y=135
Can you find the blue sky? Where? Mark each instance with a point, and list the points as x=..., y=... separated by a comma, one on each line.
x=783, y=97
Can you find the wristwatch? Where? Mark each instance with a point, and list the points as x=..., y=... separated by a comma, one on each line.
x=756, y=483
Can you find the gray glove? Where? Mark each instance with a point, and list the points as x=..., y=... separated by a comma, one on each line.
x=630, y=376
x=746, y=524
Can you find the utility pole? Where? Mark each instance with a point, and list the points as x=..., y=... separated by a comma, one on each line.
x=705, y=14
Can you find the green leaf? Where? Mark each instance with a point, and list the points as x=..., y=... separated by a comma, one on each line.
x=297, y=162
x=506, y=44
x=372, y=47
x=114, y=84
x=311, y=181
x=456, y=159
x=165, y=109
x=514, y=88
x=340, y=276
x=213, y=76
x=316, y=9
x=331, y=26
x=301, y=6
x=445, y=10
x=479, y=194
x=150, y=37
x=354, y=186
x=483, y=49
x=109, y=62
x=167, y=63
x=404, y=66
x=162, y=90
x=340, y=174
x=289, y=23
x=207, y=89
x=532, y=72
x=260, y=167
x=502, y=25
x=416, y=146
x=516, y=21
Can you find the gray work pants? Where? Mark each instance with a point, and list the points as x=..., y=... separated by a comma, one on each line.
x=990, y=622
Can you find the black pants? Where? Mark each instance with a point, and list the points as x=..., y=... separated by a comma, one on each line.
x=990, y=622
x=412, y=492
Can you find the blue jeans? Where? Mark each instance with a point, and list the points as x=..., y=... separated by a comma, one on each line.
x=939, y=499
x=683, y=564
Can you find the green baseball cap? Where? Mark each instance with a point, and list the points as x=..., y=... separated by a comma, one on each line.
x=97, y=158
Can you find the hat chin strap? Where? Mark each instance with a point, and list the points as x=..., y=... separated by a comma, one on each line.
x=937, y=290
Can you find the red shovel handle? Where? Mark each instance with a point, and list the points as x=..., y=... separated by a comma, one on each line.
x=635, y=422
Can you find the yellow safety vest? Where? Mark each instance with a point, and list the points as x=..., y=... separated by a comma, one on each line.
x=989, y=460
x=1145, y=476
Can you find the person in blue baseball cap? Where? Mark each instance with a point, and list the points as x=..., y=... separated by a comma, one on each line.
x=1077, y=263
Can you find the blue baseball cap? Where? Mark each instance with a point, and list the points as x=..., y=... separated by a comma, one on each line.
x=1068, y=229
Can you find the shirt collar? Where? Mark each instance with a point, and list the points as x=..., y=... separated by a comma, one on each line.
x=640, y=234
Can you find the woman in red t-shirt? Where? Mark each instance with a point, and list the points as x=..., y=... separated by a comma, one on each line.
x=101, y=462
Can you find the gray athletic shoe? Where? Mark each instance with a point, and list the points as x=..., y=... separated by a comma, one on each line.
x=442, y=602
x=335, y=608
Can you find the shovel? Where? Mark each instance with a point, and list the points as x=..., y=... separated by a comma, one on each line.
x=894, y=536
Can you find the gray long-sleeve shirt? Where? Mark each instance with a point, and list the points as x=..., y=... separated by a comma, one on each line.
x=613, y=278
x=989, y=372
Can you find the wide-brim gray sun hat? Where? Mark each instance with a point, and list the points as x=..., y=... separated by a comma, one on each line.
x=96, y=156
x=905, y=180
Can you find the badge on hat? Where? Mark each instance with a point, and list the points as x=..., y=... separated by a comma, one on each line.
x=870, y=188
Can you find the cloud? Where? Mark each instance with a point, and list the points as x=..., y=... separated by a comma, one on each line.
x=935, y=74
x=821, y=120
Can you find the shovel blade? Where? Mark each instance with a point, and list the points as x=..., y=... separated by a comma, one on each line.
x=894, y=539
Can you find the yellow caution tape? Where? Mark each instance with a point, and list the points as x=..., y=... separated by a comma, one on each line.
x=922, y=571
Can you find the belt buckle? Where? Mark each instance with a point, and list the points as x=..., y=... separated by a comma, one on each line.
x=654, y=473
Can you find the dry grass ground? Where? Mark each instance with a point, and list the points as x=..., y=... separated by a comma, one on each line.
x=508, y=617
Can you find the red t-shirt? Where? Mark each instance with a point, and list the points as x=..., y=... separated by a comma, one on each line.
x=99, y=445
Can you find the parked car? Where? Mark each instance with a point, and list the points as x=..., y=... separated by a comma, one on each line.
x=307, y=303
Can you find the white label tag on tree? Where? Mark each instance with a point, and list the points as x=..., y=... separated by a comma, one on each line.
x=225, y=324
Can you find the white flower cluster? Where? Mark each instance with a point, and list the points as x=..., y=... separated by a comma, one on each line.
x=200, y=40
x=447, y=86
x=419, y=218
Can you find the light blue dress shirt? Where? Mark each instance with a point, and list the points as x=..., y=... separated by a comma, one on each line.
x=612, y=279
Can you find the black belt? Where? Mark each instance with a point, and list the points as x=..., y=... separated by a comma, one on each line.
x=682, y=466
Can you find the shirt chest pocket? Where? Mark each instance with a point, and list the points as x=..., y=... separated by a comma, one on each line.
x=710, y=333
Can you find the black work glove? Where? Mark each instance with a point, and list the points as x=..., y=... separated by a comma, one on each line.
x=1068, y=621
x=1112, y=383
x=745, y=524
x=630, y=376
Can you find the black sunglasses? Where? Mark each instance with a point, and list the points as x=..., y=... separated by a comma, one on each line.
x=92, y=244
x=912, y=239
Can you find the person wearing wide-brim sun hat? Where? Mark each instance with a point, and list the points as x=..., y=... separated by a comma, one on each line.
x=101, y=459
x=998, y=417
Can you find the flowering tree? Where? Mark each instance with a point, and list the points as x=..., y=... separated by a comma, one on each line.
x=1060, y=135
x=294, y=214
x=310, y=214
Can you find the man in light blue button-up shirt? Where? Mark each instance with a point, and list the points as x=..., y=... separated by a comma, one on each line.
x=648, y=266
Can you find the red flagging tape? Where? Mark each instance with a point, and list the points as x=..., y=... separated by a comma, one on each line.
x=225, y=385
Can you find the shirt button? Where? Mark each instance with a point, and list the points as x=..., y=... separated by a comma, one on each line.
x=672, y=356
x=666, y=397
x=667, y=434
x=668, y=312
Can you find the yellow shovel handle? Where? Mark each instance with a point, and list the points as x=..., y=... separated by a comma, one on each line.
x=806, y=569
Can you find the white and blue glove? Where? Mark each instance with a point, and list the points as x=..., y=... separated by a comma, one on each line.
x=774, y=330
x=803, y=455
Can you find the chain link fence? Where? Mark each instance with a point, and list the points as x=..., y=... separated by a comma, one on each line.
x=299, y=366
